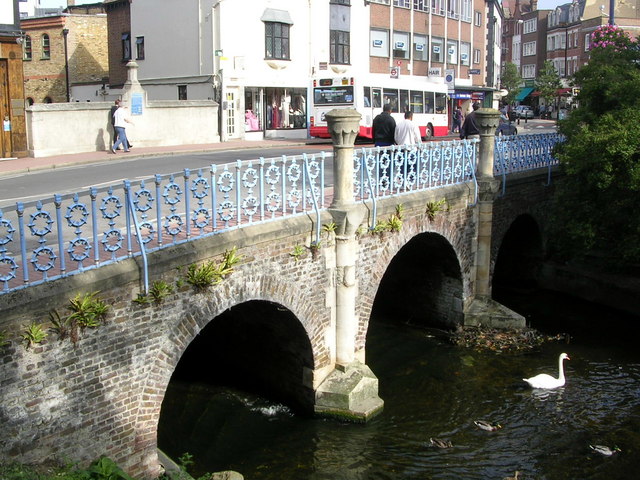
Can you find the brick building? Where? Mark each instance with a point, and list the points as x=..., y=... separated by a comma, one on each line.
x=66, y=56
x=119, y=40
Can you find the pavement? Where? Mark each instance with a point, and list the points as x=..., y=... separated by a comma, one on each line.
x=16, y=166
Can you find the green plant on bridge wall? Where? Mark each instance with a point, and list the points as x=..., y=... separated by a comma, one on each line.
x=34, y=334
x=433, y=208
x=298, y=252
x=157, y=293
x=3, y=339
x=314, y=248
x=86, y=311
x=209, y=273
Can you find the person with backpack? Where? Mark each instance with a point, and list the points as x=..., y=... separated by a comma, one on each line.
x=457, y=120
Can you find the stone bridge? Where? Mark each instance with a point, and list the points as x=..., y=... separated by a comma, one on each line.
x=289, y=320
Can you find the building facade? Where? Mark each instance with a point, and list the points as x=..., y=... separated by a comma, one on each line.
x=13, y=138
x=65, y=57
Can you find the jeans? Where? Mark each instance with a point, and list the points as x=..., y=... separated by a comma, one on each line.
x=121, y=138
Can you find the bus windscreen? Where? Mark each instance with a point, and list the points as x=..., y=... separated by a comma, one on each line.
x=333, y=95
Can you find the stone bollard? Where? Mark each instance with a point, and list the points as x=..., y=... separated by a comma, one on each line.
x=483, y=310
x=487, y=120
x=350, y=391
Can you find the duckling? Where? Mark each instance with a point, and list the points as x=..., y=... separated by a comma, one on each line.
x=489, y=427
x=439, y=443
x=604, y=450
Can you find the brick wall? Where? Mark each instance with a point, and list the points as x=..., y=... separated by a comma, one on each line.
x=119, y=19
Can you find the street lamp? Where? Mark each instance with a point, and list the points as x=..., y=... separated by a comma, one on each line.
x=65, y=32
x=611, y=8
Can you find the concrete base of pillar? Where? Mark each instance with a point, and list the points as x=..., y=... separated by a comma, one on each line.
x=489, y=313
x=350, y=393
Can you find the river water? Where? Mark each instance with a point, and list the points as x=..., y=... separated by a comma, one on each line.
x=432, y=388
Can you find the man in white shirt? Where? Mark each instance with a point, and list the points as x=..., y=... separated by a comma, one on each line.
x=407, y=133
x=120, y=120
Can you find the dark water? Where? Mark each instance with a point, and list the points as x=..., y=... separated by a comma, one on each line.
x=434, y=389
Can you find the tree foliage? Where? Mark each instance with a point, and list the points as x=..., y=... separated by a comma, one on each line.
x=595, y=205
x=548, y=82
x=511, y=81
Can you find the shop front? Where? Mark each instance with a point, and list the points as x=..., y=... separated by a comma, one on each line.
x=272, y=112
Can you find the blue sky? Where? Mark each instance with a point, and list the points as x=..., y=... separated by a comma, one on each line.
x=542, y=4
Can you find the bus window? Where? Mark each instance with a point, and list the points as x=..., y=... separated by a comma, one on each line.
x=428, y=102
x=333, y=95
x=377, y=98
x=417, y=104
x=367, y=97
x=404, y=101
x=441, y=103
x=391, y=97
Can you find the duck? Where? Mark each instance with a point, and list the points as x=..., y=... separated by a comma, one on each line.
x=604, y=450
x=547, y=381
x=439, y=443
x=515, y=476
x=489, y=427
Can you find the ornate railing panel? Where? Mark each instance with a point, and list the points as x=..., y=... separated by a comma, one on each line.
x=517, y=153
x=67, y=234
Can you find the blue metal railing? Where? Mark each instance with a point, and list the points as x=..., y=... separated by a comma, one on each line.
x=69, y=234
x=517, y=153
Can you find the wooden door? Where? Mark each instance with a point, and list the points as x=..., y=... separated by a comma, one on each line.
x=5, y=136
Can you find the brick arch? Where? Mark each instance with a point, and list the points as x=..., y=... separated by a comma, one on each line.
x=394, y=242
x=202, y=309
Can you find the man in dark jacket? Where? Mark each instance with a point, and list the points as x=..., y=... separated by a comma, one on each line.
x=470, y=127
x=384, y=127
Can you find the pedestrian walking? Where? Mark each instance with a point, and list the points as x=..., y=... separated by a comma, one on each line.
x=407, y=132
x=120, y=120
x=384, y=127
x=470, y=126
x=457, y=120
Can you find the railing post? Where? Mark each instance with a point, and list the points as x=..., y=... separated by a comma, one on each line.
x=351, y=389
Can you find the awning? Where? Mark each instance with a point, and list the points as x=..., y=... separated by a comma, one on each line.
x=275, y=15
x=563, y=91
x=523, y=93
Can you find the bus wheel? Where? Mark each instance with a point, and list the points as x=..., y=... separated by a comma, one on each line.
x=428, y=132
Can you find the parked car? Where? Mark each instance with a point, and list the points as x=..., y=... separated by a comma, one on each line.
x=524, y=111
x=506, y=128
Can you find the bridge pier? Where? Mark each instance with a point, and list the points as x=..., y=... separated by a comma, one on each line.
x=351, y=389
x=483, y=309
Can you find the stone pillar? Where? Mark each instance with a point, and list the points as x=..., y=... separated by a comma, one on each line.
x=483, y=310
x=351, y=389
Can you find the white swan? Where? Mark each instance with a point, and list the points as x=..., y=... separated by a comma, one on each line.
x=547, y=381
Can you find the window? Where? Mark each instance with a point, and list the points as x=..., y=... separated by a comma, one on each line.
x=528, y=49
x=452, y=51
x=441, y=102
x=139, y=48
x=476, y=56
x=339, y=50
x=530, y=25
x=384, y=2
x=453, y=8
x=402, y=3
x=417, y=102
x=465, y=53
x=421, y=5
x=276, y=40
x=46, y=47
x=437, y=49
x=126, y=46
x=390, y=96
x=400, y=45
x=182, y=92
x=379, y=46
x=341, y=2
x=437, y=6
x=28, y=51
x=420, y=48
x=529, y=71
x=477, y=18
x=466, y=10
x=587, y=40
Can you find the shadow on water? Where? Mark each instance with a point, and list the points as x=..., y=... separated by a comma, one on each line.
x=434, y=389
